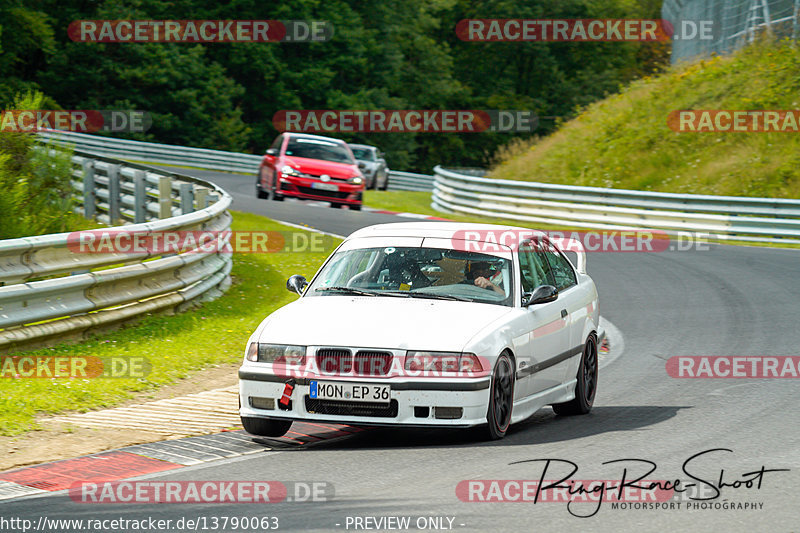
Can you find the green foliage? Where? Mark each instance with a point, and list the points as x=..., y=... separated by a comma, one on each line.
x=35, y=187
x=625, y=142
x=385, y=54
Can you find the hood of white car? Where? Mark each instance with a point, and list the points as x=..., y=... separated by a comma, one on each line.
x=379, y=322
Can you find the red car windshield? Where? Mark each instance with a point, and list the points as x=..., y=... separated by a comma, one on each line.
x=318, y=149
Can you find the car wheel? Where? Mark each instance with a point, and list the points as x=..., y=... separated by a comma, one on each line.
x=355, y=207
x=266, y=427
x=587, y=383
x=385, y=181
x=259, y=191
x=501, y=397
x=273, y=195
x=335, y=205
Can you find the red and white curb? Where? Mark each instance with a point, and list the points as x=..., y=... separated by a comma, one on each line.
x=144, y=459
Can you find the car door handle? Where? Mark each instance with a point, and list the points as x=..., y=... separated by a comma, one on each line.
x=564, y=313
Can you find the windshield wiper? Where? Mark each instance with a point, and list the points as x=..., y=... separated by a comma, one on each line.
x=349, y=290
x=431, y=296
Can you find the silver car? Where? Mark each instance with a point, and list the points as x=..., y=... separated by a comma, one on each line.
x=372, y=165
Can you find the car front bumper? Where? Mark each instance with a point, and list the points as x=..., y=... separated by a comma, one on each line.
x=345, y=193
x=413, y=403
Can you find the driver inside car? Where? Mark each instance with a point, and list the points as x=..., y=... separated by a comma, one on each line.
x=480, y=274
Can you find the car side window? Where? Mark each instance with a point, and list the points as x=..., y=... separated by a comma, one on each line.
x=534, y=268
x=528, y=274
x=277, y=143
x=562, y=271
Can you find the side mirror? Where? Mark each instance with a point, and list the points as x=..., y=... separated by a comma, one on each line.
x=361, y=164
x=296, y=283
x=540, y=295
x=272, y=151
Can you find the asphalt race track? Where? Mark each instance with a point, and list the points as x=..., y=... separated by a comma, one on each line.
x=731, y=301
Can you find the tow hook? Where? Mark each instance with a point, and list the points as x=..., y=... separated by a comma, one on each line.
x=285, y=403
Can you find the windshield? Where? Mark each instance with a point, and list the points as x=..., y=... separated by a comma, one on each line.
x=317, y=149
x=416, y=272
x=363, y=154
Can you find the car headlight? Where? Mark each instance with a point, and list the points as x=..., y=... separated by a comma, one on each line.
x=356, y=180
x=276, y=353
x=289, y=171
x=443, y=362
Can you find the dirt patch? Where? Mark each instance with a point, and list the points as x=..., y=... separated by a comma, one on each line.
x=56, y=441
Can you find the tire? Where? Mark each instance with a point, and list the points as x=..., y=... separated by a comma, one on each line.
x=260, y=194
x=335, y=205
x=586, y=389
x=501, y=398
x=266, y=427
x=355, y=207
x=272, y=195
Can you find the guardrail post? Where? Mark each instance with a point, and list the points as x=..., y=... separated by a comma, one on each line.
x=187, y=198
x=139, y=197
x=89, y=199
x=201, y=197
x=114, y=211
x=164, y=197
x=212, y=199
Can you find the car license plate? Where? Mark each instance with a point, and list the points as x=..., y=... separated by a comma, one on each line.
x=324, y=186
x=350, y=392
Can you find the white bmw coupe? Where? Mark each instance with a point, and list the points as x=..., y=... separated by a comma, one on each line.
x=428, y=324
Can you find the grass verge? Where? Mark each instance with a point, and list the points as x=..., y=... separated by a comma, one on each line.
x=625, y=142
x=175, y=346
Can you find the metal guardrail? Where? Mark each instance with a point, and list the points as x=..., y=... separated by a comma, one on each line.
x=196, y=157
x=155, y=152
x=721, y=217
x=409, y=181
x=48, y=288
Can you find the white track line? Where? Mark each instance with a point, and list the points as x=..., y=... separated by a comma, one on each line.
x=315, y=230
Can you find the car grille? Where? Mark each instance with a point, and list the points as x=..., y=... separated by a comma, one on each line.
x=332, y=178
x=333, y=361
x=319, y=192
x=336, y=407
x=372, y=363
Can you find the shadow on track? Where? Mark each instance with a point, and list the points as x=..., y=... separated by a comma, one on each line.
x=542, y=427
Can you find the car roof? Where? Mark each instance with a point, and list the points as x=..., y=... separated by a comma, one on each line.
x=362, y=146
x=446, y=230
x=309, y=136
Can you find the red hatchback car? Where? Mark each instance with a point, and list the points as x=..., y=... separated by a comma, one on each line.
x=310, y=167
